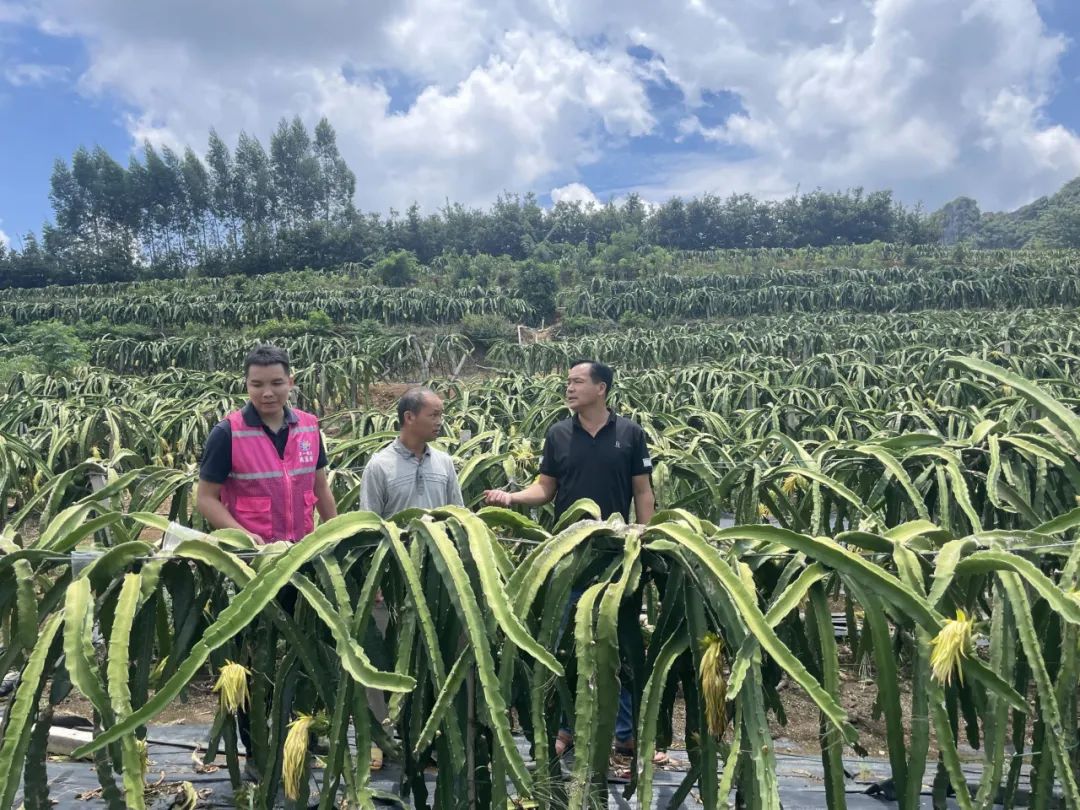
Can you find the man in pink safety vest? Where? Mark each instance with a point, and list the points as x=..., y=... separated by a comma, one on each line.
x=264, y=467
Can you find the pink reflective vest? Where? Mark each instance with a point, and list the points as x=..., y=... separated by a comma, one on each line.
x=273, y=497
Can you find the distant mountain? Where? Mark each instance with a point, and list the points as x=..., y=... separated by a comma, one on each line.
x=1052, y=221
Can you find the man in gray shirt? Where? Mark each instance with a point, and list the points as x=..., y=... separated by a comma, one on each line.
x=405, y=474
x=408, y=473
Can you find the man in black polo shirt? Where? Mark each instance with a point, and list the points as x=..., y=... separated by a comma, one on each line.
x=594, y=454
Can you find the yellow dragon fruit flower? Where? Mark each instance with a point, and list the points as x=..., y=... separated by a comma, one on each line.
x=713, y=684
x=792, y=484
x=294, y=766
x=232, y=686
x=952, y=643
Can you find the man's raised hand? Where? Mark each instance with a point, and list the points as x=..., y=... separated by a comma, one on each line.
x=498, y=497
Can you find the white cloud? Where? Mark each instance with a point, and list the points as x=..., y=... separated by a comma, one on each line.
x=5, y=240
x=26, y=74
x=497, y=108
x=932, y=98
x=574, y=192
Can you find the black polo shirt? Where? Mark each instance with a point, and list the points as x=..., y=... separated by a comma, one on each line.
x=216, y=461
x=600, y=467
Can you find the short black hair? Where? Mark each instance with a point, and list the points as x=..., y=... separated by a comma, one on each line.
x=267, y=355
x=412, y=401
x=598, y=373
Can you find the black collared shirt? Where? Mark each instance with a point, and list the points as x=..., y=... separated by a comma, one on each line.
x=217, y=457
x=600, y=467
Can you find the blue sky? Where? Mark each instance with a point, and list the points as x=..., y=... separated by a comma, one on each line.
x=1064, y=107
x=435, y=100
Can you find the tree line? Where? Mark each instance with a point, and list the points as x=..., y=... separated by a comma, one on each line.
x=252, y=210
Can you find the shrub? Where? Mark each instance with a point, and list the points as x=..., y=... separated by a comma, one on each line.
x=316, y=323
x=368, y=328
x=274, y=328
x=55, y=346
x=11, y=367
x=319, y=323
x=537, y=286
x=483, y=330
x=635, y=320
x=92, y=330
x=580, y=325
x=396, y=270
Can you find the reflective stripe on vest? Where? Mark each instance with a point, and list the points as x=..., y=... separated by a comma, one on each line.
x=271, y=497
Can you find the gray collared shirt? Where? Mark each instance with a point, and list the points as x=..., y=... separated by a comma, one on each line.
x=395, y=479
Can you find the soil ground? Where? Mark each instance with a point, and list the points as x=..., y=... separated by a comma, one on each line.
x=384, y=396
